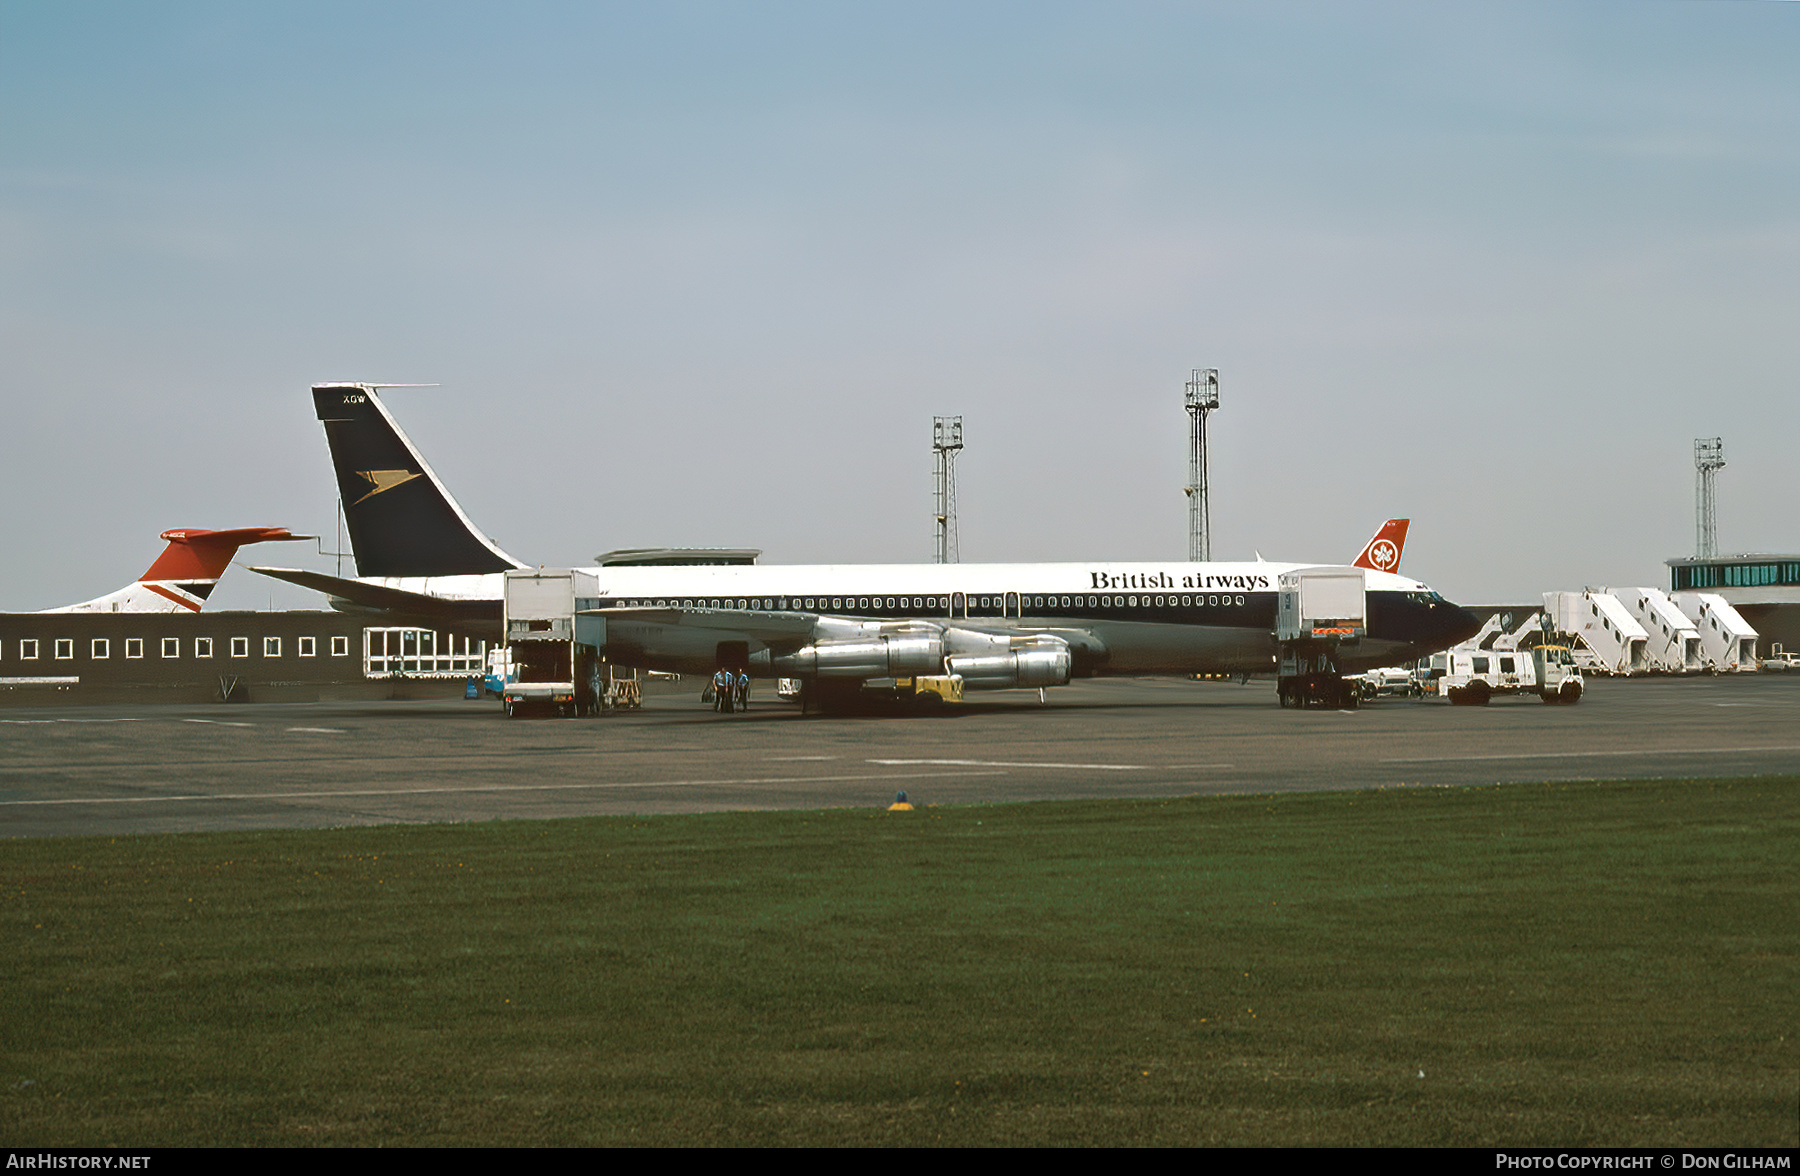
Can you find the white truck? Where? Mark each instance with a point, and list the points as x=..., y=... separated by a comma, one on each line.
x=1386, y=682
x=1780, y=662
x=1470, y=677
x=554, y=641
x=1318, y=610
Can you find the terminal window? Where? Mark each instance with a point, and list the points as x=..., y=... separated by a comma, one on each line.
x=309, y=647
x=171, y=647
x=271, y=647
x=134, y=647
x=1739, y=575
x=100, y=649
x=65, y=648
x=421, y=653
x=1758, y=575
x=203, y=647
x=240, y=647
x=340, y=647
x=28, y=649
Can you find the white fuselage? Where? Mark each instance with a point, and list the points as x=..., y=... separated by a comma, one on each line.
x=1119, y=618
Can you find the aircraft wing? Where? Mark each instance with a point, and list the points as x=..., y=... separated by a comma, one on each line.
x=689, y=639
x=777, y=629
x=774, y=629
x=991, y=653
x=380, y=598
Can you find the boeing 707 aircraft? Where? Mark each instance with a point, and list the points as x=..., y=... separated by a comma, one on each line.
x=838, y=626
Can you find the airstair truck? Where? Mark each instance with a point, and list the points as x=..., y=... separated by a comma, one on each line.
x=1317, y=612
x=1674, y=645
x=1606, y=638
x=1727, y=639
x=554, y=638
x=1468, y=676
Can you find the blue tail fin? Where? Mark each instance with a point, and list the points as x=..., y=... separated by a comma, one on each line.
x=402, y=521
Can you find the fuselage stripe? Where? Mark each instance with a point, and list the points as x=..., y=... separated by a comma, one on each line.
x=161, y=591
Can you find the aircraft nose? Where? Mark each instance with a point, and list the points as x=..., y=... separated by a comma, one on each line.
x=1459, y=626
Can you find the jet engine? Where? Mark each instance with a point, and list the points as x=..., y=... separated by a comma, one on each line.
x=900, y=656
x=1038, y=665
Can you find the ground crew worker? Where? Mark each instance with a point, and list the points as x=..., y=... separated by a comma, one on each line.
x=743, y=690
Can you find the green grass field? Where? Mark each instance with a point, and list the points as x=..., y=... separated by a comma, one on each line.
x=1554, y=964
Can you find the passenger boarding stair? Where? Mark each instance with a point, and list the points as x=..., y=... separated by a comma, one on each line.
x=1727, y=640
x=1610, y=640
x=1672, y=642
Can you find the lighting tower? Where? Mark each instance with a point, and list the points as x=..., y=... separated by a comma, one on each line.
x=946, y=442
x=1709, y=458
x=1202, y=398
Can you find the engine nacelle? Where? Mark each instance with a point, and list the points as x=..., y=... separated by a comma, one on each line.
x=1038, y=666
x=902, y=656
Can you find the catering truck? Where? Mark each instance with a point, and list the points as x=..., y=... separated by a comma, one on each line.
x=554, y=641
x=1318, y=611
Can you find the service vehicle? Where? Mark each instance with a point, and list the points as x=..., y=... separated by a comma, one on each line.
x=1321, y=614
x=1471, y=677
x=553, y=643
x=1386, y=682
x=1780, y=662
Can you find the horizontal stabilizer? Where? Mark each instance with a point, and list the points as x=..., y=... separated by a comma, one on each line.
x=363, y=596
x=194, y=554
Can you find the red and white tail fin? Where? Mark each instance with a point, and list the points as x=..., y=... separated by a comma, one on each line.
x=184, y=574
x=1384, y=551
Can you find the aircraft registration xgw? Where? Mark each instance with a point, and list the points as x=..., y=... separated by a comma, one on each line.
x=838, y=626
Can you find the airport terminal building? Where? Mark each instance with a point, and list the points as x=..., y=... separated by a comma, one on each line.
x=80, y=657
x=1764, y=589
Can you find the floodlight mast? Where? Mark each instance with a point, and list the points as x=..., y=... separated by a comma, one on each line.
x=1709, y=459
x=1202, y=398
x=946, y=442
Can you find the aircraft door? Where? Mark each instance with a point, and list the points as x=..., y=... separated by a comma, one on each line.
x=959, y=605
x=1012, y=605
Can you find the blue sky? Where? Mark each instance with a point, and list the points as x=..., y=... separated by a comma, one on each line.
x=1490, y=266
